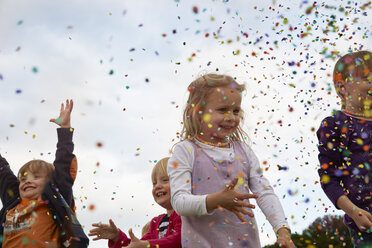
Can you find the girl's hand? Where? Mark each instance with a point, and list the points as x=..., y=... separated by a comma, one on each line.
x=137, y=243
x=104, y=231
x=284, y=238
x=362, y=219
x=65, y=115
x=231, y=200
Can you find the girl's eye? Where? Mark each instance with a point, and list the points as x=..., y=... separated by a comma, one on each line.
x=236, y=111
x=223, y=110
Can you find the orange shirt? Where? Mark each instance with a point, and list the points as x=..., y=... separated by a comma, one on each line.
x=30, y=224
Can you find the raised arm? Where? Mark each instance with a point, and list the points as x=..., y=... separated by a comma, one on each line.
x=8, y=182
x=65, y=162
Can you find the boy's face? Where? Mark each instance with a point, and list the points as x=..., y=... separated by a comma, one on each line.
x=161, y=191
x=31, y=185
x=358, y=92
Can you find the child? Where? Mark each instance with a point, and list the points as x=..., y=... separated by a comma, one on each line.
x=37, y=204
x=212, y=172
x=345, y=139
x=165, y=229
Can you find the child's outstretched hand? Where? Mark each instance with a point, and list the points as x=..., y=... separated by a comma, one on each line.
x=65, y=115
x=232, y=201
x=104, y=231
x=284, y=238
x=362, y=219
x=135, y=242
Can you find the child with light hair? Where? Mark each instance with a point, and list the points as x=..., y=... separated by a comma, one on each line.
x=164, y=230
x=38, y=204
x=213, y=171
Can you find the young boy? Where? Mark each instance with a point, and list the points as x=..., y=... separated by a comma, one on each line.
x=345, y=146
x=164, y=230
x=38, y=204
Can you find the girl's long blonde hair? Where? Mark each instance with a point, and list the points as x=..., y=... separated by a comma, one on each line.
x=199, y=90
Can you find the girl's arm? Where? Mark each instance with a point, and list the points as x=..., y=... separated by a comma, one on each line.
x=185, y=203
x=267, y=200
x=179, y=170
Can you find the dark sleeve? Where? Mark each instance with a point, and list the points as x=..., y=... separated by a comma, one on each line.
x=9, y=185
x=331, y=147
x=65, y=164
x=173, y=237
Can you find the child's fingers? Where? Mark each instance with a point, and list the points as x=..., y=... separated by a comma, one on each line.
x=71, y=104
x=52, y=120
x=244, y=204
x=233, y=183
x=62, y=107
x=246, y=212
x=242, y=196
x=132, y=236
x=98, y=224
x=97, y=238
x=112, y=224
x=240, y=216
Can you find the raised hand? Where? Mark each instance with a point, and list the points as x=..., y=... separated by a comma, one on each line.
x=136, y=242
x=284, y=238
x=104, y=231
x=65, y=115
x=231, y=200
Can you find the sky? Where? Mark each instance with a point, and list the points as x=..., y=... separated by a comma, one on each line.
x=127, y=65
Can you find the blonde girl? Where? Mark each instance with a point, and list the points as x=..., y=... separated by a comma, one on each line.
x=213, y=171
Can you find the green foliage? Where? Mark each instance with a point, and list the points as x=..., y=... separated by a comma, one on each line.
x=326, y=232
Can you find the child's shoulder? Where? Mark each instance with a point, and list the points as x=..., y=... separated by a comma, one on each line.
x=337, y=118
x=184, y=145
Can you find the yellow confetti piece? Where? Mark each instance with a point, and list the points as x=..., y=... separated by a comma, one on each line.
x=325, y=179
x=210, y=125
x=329, y=145
x=207, y=117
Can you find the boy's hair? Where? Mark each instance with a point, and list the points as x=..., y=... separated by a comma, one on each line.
x=199, y=90
x=36, y=166
x=351, y=66
x=160, y=167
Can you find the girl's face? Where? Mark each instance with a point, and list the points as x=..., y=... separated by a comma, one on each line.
x=161, y=191
x=221, y=115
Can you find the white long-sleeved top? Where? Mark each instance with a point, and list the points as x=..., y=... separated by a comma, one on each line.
x=180, y=168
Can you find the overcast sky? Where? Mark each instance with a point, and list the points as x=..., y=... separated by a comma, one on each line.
x=127, y=64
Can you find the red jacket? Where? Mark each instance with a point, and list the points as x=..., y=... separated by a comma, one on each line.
x=172, y=238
